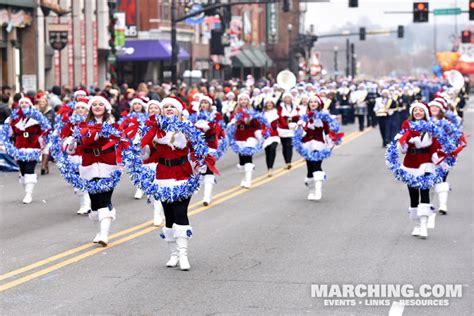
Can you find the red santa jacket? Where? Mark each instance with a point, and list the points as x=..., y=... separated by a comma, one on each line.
x=212, y=131
x=246, y=127
x=93, y=153
x=316, y=133
x=422, y=151
x=286, y=117
x=27, y=132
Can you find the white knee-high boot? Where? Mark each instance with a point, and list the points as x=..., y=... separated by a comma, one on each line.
x=443, y=190
x=319, y=177
x=94, y=217
x=208, y=181
x=182, y=233
x=30, y=180
x=168, y=235
x=138, y=194
x=413, y=212
x=158, y=213
x=85, y=203
x=247, y=181
x=106, y=216
x=424, y=211
x=309, y=182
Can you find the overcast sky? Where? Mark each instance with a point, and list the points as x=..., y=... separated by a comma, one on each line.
x=327, y=16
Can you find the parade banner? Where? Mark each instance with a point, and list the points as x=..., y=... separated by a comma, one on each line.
x=130, y=9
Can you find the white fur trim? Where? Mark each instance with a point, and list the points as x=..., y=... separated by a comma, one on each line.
x=168, y=233
x=428, y=167
x=250, y=142
x=94, y=216
x=442, y=187
x=249, y=167
x=424, y=209
x=169, y=182
x=181, y=231
x=285, y=132
x=271, y=115
x=106, y=102
x=413, y=213
x=105, y=212
x=422, y=106
x=22, y=126
x=244, y=94
x=203, y=125
x=209, y=179
x=97, y=170
x=313, y=145
x=270, y=140
x=30, y=178
x=180, y=140
x=173, y=102
x=205, y=98
x=25, y=99
x=319, y=176
x=82, y=103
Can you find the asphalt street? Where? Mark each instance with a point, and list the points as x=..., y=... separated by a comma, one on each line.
x=254, y=251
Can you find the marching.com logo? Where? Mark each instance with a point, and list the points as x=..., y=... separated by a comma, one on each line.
x=383, y=294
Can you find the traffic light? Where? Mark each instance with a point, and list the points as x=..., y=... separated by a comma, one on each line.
x=217, y=67
x=362, y=33
x=420, y=12
x=353, y=3
x=471, y=10
x=400, y=31
x=466, y=36
x=286, y=5
x=216, y=46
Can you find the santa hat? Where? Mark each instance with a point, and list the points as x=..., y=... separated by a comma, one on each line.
x=80, y=92
x=82, y=102
x=155, y=102
x=177, y=103
x=25, y=99
x=439, y=102
x=287, y=94
x=273, y=100
x=206, y=98
x=421, y=105
x=230, y=94
x=142, y=100
x=101, y=99
x=317, y=98
x=243, y=95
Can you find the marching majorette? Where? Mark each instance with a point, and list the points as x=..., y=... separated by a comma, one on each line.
x=81, y=110
x=98, y=163
x=248, y=136
x=150, y=160
x=288, y=117
x=271, y=143
x=27, y=126
x=420, y=151
x=210, y=125
x=315, y=139
x=438, y=108
x=174, y=169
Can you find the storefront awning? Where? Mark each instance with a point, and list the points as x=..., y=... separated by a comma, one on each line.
x=148, y=50
x=258, y=57
x=241, y=60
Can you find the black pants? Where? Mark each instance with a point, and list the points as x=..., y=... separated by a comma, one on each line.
x=208, y=171
x=176, y=212
x=445, y=177
x=244, y=159
x=287, y=149
x=270, y=154
x=313, y=166
x=371, y=117
x=361, y=119
x=415, y=195
x=384, y=125
x=26, y=167
x=101, y=200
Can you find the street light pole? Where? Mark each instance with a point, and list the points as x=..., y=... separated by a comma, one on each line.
x=335, y=62
x=290, y=28
x=174, y=44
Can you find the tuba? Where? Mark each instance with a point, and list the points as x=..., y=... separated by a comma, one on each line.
x=286, y=79
x=455, y=78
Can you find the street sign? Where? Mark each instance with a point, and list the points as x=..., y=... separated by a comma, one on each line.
x=447, y=11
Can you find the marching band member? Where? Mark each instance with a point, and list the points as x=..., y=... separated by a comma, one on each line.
x=315, y=138
x=303, y=106
x=359, y=98
x=98, y=163
x=421, y=155
x=81, y=109
x=27, y=134
x=271, y=143
x=228, y=105
x=288, y=117
x=212, y=132
x=247, y=134
x=382, y=106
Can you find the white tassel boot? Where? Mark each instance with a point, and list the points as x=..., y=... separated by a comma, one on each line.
x=158, y=213
x=94, y=216
x=247, y=181
x=182, y=234
x=106, y=216
x=138, y=194
x=168, y=235
x=424, y=211
x=85, y=203
x=30, y=181
x=309, y=182
x=443, y=190
x=319, y=177
x=413, y=212
x=209, y=181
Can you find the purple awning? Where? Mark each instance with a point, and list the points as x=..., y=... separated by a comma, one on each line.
x=147, y=50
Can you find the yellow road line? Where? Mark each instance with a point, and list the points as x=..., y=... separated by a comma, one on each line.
x=227, y=195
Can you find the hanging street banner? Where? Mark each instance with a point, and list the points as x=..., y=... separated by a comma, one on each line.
x=58, y=35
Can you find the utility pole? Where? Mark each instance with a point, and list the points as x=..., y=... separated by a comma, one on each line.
x=335, y=62
x=348, y=59
x=174, y=43
x=353, y=60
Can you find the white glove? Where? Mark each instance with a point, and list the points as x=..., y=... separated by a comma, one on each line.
x=202, y=125
x=71, y=148
x=318, y=123
x=202, y=169
x=415, y=140
x=145, y=152
x=259, y=136
x=300, y=123
x=403, y=148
